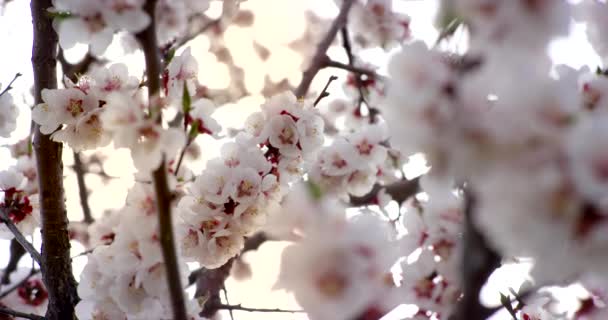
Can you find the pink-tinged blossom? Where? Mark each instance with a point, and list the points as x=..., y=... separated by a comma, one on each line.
x=95, y=22
x=182, y=69
x=339, y=268
x=201, y=116
x=21, y=208
x=148, y=141
x=61, y=106
x=375, y=24
x=114, y=78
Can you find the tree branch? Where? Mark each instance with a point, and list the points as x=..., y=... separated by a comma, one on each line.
x=9, y=86
x=399, y=191
x=324, y=93
x=339, y=65
x=19, y=237
x=239, y=307
x=478, y=263
x=319, y=59
x=18, y=314
x=147, y=39
x=82, y=189
x=56, y=263
x=209, y=282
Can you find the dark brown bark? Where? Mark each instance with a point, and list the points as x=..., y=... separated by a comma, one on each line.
x=399, y=191
x=478, y=261
x=56, y=263
x=208, y=284
x=319, y=60
x=147, y=39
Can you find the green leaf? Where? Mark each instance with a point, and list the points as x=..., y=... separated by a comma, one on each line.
x=314, y=190
x=59, y=15
x=193, y=131
x=186, y=100
x=169, y=56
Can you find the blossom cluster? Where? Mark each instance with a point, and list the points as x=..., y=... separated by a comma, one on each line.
x=532, y=151
x=124, y=277
x=231, y=198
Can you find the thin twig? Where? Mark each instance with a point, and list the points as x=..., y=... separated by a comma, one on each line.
x=227, y=302
x=82, y=189
x=348, y=67
x=147, y=39
x=8, y=87
x=318, y=59
x=19, y=236
x=18, y=314
x=239, y=307
x=324, y=93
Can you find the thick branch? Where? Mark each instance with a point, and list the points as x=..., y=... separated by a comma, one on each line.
x=478, y=263
x=19, y=236
x=208, y=284
x=319, y=59
x=56, y=263
x=399, y=191
x=147, y=38
x=18, y=314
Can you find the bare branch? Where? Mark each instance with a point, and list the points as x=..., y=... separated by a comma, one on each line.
x=18, y=314
x=9, y=86
x=82, y=189
x=319, y=58
x=399, y=191
x=239, y=307
x=478, y=263
x=349, y=67
x=147, y=39
x=19, y=236
x=324, y=93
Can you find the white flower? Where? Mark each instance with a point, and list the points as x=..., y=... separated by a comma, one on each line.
x=22, y=209
x=339, y=159
x=201, y=115
x=310, y=130
x=376, y=24
x=283, y=134
x=61, y=106
x=86, y=134
x=337, y=271
x=588, y=159
x=115, y=78
x=171, y=19
x=8, y=116
x=183, y=69
x=94, y=22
